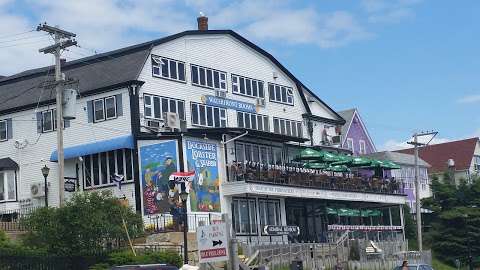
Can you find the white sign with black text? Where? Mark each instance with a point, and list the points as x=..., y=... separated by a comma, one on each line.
x=212, y=243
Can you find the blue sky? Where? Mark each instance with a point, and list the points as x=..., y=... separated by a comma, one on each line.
x=407, y=65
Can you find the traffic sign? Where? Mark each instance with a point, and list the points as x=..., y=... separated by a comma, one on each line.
x=212, y=243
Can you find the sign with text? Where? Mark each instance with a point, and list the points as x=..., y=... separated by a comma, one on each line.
x=229, y=104
x=69, y=186
x=182, y=177
x=212, y=243
x=281, y=230
x=335, y=227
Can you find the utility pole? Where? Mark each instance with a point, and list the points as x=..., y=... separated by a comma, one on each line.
x=62, y=40
x=418, y=208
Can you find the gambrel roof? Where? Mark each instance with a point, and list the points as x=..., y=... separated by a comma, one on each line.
x=113, y=69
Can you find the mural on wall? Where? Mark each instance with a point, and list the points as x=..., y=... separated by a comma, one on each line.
x=158, y=162
x=204, y=194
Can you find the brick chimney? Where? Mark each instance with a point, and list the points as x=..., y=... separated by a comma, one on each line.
x=202, y=22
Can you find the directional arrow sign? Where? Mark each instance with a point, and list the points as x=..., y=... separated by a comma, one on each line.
x=212, y=243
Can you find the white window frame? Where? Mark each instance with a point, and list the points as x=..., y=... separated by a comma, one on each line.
x=151, y=106
x=242, y=124
x=108, y=183
x=221, y=119
x=6, y=175
x=272, y=94
x=238, y=91
x=157, y=65
x=104, y=109
x=237, y=215
x=114, y=107
x=288, y=127
x=53, y=119
x=222, y=83
x=4, y=122
x=363, y=147
x=350, y=145
x=263, y=204
x=476, y=162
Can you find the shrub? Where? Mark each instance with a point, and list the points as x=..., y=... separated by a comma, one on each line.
x=127, y=257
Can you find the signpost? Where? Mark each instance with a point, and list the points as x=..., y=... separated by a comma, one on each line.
x=212, y=243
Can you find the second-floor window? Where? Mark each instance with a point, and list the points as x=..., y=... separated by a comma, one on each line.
x=3, y=130
x=363, y=148
x=252, y=121
x=209, y=78
x=99, y=168
x=280, y=94
x=287, y=127
x=208, y=116
x=350, y=144
x=156, y=106
x=104, y=109
x=476, y=163
x=168, y=68
x=49, y=120
x=247, y=87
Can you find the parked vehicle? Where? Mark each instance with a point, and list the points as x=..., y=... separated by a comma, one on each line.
x=416, y=267
x=146, y=266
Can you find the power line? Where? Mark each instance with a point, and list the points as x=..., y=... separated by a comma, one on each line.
x=25, y=43
x=17, y=34
x=24, y=38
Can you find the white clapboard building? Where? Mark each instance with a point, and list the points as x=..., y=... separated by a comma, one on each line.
x=207, y=101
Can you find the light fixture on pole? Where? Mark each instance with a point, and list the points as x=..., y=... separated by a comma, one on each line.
x=45, y=171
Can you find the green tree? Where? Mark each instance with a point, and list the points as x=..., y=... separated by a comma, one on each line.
x=87, y=224
x=456, y=219
x=410, y=227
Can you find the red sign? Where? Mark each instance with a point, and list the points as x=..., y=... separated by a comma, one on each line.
x=182, y=176
x=213, y=253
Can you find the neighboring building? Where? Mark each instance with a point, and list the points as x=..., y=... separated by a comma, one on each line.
x=355, y=135
x=207, y=101
x=465, y=155
x=406, y=175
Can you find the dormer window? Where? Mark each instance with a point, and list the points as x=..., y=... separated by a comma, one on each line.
x=168, y=68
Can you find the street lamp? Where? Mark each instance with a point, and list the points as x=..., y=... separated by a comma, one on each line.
x=45, y=171
x=184, y=196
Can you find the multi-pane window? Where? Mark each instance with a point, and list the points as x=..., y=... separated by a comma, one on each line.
x=258, y=153
x=156, y=106
x=244, y=216
x=280, y=93
x=210, y=78
x=8, y=189
x=476, y=162
x=208, y=116
x=49, y=120
x=168, y=68
x=3, y=130
x=247, y=86
x=252, y=121
x=104, y=109
x=99, y=168
x=287, y=127
x=350, y=144
x=363, y=149
x=269, y=212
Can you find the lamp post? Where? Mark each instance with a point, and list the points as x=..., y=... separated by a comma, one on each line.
x=45, y=171
x=184, y=196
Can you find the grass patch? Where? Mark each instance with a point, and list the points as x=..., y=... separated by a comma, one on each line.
x=439, y=265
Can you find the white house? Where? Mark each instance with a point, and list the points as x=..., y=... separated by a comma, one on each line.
x=207, y=101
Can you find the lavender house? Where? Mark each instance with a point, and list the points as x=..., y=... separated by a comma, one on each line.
x=355, y=134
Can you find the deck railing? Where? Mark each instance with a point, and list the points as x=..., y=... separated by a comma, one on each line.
x=168, y=223
x=301, y=177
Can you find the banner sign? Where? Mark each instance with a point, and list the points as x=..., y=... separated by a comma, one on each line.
x=362, y=228
x=180, y=177
x=202, y=159
x=281, y=230
x=212, y=242
x=229, y=104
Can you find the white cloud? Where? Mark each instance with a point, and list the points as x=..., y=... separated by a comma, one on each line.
x=392, y=145
x=383, y=11
x=469, y=99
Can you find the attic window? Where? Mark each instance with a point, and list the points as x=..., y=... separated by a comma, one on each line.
x=168, y=68
x=280, y=94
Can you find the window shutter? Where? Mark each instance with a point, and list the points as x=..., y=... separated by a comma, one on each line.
x=118, y=98
x=39, y=122
x=90, y=111
x=9, y=129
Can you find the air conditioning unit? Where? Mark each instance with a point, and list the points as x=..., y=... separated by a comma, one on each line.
x=260, y=102
x=37, y=190
x=336, y=139
x=155, y=124
x=172, y=120
x=221, y=93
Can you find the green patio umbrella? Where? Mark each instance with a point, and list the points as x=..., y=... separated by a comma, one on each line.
x=308, y=154
x=391, y=165
x=315, y=165
x=360, y=161
x=338, y=168
x=342, y=160
x=329, y=157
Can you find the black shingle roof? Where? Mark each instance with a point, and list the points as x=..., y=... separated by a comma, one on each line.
x=107, y=70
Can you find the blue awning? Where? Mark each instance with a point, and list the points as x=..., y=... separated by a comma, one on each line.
x=95, y=147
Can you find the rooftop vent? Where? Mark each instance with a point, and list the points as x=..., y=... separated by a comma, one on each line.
x=202, y=21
